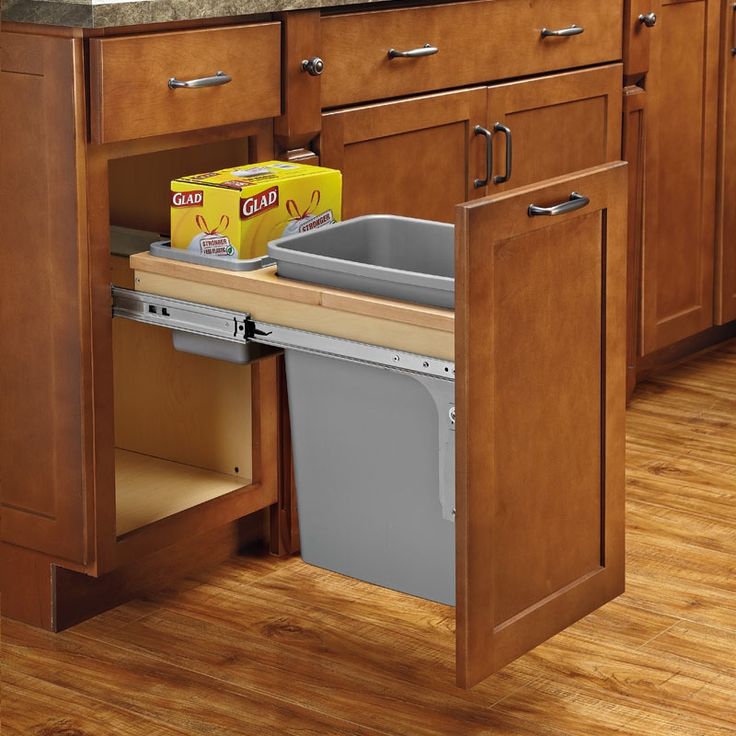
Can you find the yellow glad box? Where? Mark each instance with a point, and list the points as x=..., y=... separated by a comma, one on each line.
x=236, y=212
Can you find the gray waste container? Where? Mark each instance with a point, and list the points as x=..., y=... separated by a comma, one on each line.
x=374, y=446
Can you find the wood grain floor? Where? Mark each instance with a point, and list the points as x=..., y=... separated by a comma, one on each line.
x=263, y=646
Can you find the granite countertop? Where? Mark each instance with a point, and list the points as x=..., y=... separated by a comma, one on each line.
x=109, y=13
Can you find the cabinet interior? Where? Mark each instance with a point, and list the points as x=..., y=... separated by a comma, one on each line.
x=183, y=423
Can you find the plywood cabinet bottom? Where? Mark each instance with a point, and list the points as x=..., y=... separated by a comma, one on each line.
x=149, y=489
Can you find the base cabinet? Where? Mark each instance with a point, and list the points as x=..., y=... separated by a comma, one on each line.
x=682, y=108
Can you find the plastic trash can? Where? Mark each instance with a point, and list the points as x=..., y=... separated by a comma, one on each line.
x=373, y=446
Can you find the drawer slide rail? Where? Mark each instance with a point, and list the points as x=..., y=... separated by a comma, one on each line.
x=226, y=324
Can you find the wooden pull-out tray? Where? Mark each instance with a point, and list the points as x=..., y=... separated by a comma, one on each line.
x=389, y=323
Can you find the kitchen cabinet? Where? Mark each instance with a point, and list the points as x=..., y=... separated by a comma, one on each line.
x=677, y=287
x=117, y=449
x=726, y=220
x=130, y=452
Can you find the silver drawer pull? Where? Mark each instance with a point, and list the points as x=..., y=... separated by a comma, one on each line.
x=649, y=20
x=218, y=79
x=426, y=50
x=576, y=202
x=573, y=30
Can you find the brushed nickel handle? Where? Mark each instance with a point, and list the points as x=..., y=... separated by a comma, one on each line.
x=217, y=80
x=572, y=30
x=314, y=66
x=480, y=130
x=576, y=202
x=649, y=19
x=733, y=48
x=500, y=128
x=426, y=50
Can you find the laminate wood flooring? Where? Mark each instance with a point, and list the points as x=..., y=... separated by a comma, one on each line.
x=263, y=646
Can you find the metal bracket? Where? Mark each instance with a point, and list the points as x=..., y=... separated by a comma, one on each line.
x=178, y=314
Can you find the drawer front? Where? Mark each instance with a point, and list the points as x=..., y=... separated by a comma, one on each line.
x=475, y=42
x=131, y=96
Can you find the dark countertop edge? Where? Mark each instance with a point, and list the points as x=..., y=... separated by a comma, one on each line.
x=117, y=15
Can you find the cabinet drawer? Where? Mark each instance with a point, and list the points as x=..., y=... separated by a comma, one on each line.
x=475, y=42
x=131, y=96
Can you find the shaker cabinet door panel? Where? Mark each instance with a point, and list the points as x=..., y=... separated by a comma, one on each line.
x=726, y=223
x=555, y=125
x=540, y=396
x=417, y=157
x=44, y=387
x=681, y=132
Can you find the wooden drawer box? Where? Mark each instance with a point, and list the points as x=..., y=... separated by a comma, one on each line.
x=476, y=42
x=129, y=80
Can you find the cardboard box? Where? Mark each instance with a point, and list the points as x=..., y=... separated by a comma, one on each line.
x=236, y=212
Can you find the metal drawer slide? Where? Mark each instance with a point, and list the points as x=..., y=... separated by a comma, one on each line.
x=240, y=327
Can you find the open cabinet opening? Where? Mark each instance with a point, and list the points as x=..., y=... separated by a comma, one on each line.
x=183, y=426
x=183, y=423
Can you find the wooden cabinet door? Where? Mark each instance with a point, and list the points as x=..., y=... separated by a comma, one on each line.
x=540, y=395
x=417, y=157
x=726, y=222
x=556, y=125
x=682, y=104
x=45, y=488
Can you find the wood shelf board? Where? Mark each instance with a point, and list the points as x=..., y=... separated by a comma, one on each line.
x=267, y=283
x=149, y=489
x=352, y=316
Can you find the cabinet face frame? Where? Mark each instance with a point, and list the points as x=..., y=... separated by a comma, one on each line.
x=726, y=218
x=495, y=478
x=533, y=96
x=634, y=151
x=664, y=279
x=343, y=128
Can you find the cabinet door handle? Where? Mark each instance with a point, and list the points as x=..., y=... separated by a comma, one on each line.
x=426, y=50
x=576, y=202
x=500, y=128
x=573, y=30
x=219, y=78
x=649, y=20
x=480, y=130
x=733, y=47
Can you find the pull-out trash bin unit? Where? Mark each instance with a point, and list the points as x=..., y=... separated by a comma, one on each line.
x=373, y=428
